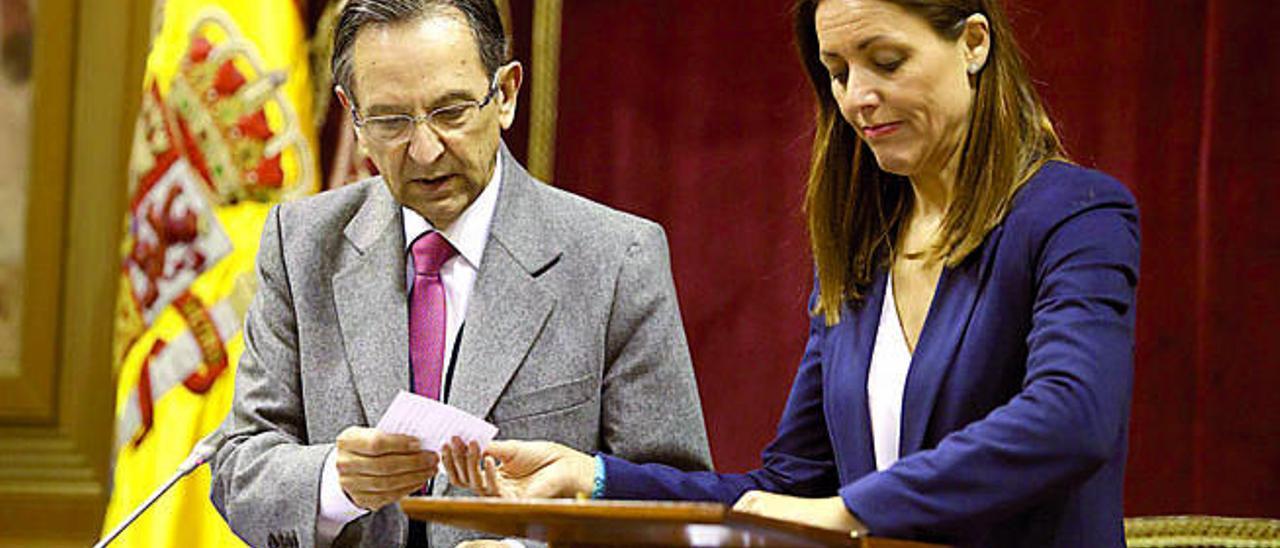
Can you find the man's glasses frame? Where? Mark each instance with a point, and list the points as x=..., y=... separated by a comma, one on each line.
x=394, y=129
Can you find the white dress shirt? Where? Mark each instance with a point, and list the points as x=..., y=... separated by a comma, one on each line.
x=887, y=380
x=468, y=235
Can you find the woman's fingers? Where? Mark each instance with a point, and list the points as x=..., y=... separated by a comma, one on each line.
x=473, y=467
x=749, y=502
x=446, y=458
x=468, y=467
x=459, y=462
x=491, y=476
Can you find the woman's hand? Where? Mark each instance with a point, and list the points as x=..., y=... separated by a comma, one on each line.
x=827, y=513
x=519, y=469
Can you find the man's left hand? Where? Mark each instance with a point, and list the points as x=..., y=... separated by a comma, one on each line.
x=827, y=513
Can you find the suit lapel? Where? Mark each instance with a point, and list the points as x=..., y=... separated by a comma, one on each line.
x=508, y=306
x=369, y=293
x=940, y=339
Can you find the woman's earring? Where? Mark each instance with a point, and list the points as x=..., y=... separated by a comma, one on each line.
x=974, y=67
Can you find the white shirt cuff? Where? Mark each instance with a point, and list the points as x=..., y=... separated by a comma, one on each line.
x=336, y=509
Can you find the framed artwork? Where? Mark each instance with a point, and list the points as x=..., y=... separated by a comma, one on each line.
x=16, y=86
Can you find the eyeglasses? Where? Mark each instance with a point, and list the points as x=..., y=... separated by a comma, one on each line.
x=394, y=129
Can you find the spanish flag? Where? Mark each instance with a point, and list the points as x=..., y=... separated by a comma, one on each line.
x=225, y=131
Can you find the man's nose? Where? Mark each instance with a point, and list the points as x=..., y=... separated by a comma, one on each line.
x=425, y=145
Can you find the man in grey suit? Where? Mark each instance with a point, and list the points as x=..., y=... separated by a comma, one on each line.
x=549, y=315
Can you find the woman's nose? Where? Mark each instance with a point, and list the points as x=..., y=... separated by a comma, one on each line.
x=860, y=100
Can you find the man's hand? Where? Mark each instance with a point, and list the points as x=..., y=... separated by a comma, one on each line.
x=376, y=468
x=827, y=513
x=519, y=469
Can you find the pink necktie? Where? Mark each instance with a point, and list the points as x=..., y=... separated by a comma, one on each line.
x=427, y=313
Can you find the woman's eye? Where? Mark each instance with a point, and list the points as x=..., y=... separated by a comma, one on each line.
x=889, y=65
x=839, y=76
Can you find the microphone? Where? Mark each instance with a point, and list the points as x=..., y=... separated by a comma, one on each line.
x=200, y=454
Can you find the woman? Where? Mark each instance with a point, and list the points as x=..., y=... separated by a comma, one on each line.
x=969, y=366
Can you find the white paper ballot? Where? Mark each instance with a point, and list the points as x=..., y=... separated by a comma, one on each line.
x=434, y=423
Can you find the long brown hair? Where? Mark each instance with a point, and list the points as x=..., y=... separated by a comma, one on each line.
x=855, y=209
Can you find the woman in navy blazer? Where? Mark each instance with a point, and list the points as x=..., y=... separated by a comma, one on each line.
x=1013, y=274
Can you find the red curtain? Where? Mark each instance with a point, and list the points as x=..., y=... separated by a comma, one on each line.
x=697, y=115
x=1179, y=99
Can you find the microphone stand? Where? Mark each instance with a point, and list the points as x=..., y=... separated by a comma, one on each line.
x=200, y=454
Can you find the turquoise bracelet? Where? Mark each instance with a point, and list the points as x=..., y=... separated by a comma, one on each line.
x=597, y=491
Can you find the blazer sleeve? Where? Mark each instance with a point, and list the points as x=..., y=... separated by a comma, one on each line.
x=650, y=409
x=799, y=461
x=266, y=481
x=1069, y=418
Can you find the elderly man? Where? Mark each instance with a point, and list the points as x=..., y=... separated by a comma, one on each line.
x=454, y=274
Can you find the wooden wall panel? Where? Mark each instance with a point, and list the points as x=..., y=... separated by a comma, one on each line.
x=56, y=415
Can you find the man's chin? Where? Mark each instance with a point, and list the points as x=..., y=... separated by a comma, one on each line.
x=438, y=201
x=440, y=214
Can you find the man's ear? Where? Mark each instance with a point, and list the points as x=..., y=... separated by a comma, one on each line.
x=509, y=93
x=348, y=107
x=342, y=96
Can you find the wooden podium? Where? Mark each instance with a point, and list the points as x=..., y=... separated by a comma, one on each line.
x=565, y=522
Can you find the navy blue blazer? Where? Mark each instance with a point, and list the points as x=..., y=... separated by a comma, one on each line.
x=1016, y=410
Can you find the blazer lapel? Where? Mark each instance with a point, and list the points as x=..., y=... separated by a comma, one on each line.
x=369, y=292
x=867, y=318
x=508, y=307
x=943, y=332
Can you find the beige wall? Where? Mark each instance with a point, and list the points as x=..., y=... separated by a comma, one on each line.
x=56, y=401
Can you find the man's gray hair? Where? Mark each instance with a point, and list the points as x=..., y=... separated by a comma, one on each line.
x=481, y=15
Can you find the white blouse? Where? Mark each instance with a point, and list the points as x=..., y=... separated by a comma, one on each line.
x=887, y=380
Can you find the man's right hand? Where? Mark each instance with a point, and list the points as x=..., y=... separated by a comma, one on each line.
x=376, y=468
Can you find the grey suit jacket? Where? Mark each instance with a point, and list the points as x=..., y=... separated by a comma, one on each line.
x=573, y=334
